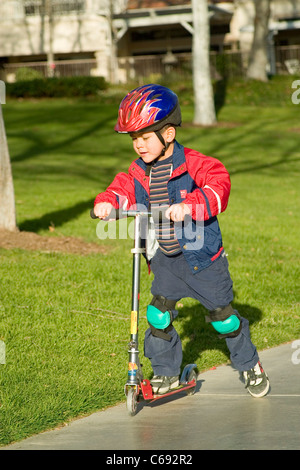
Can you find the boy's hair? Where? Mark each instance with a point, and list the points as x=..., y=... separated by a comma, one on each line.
x=166, y=126
x=161, y=130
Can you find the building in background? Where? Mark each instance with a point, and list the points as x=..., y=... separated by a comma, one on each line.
x=131, y=39
x=57, y=37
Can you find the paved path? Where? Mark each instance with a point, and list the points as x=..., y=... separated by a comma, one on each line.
x=221, y=415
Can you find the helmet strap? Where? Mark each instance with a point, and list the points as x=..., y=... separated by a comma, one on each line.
x=165, y=144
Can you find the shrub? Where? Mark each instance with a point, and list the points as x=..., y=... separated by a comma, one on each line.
x=27, y=73
x=56, y=87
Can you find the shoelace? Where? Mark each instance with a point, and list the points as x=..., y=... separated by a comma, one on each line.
x=252, y=377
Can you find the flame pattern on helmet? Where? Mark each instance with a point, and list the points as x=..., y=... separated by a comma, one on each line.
x=137, y=111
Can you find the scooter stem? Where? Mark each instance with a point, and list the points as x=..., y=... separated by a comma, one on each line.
x=134, y=366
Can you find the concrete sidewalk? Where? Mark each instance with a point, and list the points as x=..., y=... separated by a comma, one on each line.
x=221, y=415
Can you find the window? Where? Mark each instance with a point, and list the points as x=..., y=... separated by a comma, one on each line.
x=58, y=7
x=33, y=7
x=63, y=7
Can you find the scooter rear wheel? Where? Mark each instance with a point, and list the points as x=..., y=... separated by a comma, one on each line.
x=132, y=400
x=192, y=376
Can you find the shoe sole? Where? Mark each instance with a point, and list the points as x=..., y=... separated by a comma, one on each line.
x=262, y=393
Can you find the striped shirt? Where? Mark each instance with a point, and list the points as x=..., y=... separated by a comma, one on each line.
x=159, y=200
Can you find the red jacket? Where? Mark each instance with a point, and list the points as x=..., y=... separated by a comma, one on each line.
x=200, y=181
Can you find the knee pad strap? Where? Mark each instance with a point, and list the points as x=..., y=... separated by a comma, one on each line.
x=160, y=317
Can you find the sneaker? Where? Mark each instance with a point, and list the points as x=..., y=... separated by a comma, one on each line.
x=163, y=384
x=257, y=381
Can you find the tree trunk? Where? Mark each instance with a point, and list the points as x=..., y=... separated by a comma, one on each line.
x=7, y=197
x=204, y=113
x=50, y=54
x=257, y=68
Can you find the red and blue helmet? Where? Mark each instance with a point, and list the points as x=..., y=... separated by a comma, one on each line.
x=148, y=107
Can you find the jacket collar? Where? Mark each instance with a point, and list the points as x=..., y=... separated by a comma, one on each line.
x=178, y=155
x=179, y=161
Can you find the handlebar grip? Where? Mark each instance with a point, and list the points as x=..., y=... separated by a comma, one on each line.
x=117, y=216
x=92, y=214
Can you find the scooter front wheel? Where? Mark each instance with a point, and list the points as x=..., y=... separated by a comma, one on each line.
x=132, y=401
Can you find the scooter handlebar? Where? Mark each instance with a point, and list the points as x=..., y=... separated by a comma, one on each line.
x=122, y=214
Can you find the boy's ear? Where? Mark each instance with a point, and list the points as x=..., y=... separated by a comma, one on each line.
x=170, y=134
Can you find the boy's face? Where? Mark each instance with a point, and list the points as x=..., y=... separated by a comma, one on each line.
x=148, y=146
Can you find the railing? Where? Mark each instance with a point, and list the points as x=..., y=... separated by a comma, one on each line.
x=226, y=65
x=229, y=65
x=61, y=68
x=287, y=59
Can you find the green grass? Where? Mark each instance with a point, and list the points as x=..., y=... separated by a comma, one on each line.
x=65, y=355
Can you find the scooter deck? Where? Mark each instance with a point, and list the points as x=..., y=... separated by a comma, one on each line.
x=148, y=394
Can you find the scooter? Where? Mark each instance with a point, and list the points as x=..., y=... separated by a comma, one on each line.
x=137, y=388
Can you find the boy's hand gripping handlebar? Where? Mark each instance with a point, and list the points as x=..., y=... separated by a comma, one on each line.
x=120, y=214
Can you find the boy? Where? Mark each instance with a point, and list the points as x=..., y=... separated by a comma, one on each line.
x=185, y=185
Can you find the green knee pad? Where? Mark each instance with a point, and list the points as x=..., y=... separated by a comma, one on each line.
x=157, y=318
x=230, y=325
x=225, y=321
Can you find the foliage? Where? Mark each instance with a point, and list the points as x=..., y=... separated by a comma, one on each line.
x=56, y=87
x=27, y=73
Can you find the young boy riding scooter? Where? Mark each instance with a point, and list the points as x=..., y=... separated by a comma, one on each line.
x=185, y=185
